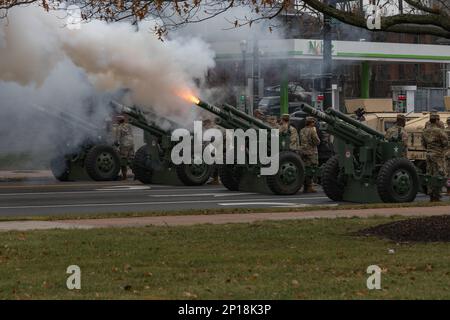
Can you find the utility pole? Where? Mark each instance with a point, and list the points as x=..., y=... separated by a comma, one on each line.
x=327, y=58
x=256, y=73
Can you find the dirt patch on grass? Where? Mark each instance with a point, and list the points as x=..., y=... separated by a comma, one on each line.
x=430, y=229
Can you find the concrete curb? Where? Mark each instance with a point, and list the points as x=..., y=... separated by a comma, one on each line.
x=190, y=220
x=25, y=175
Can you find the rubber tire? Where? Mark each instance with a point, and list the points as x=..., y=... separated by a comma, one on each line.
x=141, y=172
x=274, y=182
x=91, y=166
x=60, y=168
x=230, y=177
x=190, y=180
x=384, y=178
x=330, y=183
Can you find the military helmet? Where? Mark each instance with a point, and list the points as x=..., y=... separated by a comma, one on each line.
x=435, y=116
x=401, y=117
x=259, y=111
x=310, y=120
x=285, y=117
x=119, y=117
x=448, y=120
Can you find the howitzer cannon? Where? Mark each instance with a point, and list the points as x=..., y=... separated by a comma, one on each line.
x=290, y=176
x=152, y=162
x=367, y=168
x=93, y=158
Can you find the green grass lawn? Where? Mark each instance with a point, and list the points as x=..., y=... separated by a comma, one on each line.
x=271, y=260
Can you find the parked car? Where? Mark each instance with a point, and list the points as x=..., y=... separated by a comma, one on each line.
x=272, y=107
x=295, y=91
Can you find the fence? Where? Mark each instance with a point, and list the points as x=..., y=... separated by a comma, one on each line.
x=428, y=99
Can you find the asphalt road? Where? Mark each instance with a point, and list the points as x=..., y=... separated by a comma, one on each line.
x=56, y=198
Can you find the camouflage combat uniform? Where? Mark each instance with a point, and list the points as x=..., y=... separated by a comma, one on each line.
x=124, y=137
x=398, y=133
x=294, y=144
x=309, y=141
x=440, y=124
x=435, y=140
x=447, y=155
x=273, y=122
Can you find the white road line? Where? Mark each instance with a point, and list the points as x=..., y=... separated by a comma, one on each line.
x=98, y=191
x=272, y=204
x=124, y=188
x=145, y=203
x=214, y=195
x=276, y=204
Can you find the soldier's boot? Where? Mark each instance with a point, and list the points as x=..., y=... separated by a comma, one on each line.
x=124, y=173
x=215, y=181
x=308, y=186
x=435, y=197
x=310, y=189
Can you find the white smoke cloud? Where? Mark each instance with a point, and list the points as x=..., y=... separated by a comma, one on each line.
x=46, y=64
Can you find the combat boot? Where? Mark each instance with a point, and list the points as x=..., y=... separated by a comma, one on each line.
x=124, y=173
x=435, y=198
x=214, y=182
x=309, y=189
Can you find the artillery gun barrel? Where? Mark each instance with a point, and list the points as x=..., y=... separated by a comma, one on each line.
x=330, y=116
x=137, y=119
x=253, y=120
x=356, y=123
x=231, y=118
x=68, y=118
x=156, y=118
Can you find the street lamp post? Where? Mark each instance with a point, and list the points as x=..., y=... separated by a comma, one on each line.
x=244, y=48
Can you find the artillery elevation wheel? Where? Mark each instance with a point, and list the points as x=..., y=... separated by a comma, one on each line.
x=331, y=184
x=141, y=165
x=60, y=168
x=290, y=177
x=194, y=174
x=102, y=163
x=230, y=176
x=398, y=181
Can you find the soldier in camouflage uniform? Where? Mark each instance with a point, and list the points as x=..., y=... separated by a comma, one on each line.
x=439, y=122
x=309, y=141
x=447, y=155
x=397, y=133
x=210, y=124
x=435, y=141
x=259, y=114
x=273, y=122
x=285, y=127
x=124, y=142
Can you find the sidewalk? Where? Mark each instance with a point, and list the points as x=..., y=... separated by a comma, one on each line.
x=24, y=175
x=189, y=220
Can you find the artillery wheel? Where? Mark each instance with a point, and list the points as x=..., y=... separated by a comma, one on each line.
x=194, y=174
x=141, y=169
x=331, y=184
x=290, y=177
x=398, y=181
x=230, y=176
x=60, y=168
x=102, y=163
